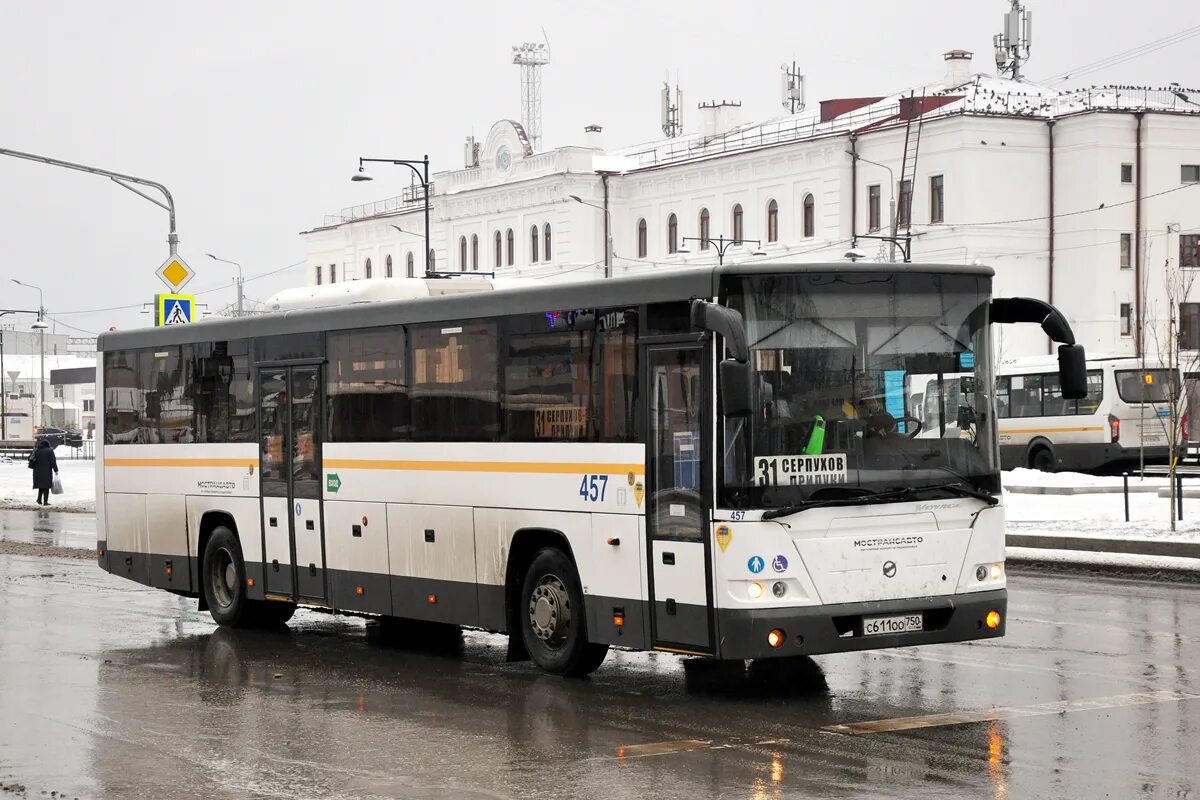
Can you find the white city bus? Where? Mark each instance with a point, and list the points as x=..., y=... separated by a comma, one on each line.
x=1124, y=418
x=558, y=463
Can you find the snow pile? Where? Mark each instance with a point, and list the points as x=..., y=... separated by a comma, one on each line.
x=1032, y=478
x=78, y=480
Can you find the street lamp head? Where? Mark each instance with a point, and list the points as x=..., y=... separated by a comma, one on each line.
x=758, y=251
x=361, y=175
x=683, y=249
x=854, y=254
x=576, y=198
x=39, y=326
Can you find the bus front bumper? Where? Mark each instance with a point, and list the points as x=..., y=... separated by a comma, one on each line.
x=743, y=633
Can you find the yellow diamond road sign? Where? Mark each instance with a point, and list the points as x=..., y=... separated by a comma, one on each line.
x=175, y=273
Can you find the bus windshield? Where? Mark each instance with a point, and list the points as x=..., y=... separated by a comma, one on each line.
x=834, y=358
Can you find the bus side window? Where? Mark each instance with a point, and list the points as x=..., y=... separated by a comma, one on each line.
x=1003, y=403
x=1095, y=385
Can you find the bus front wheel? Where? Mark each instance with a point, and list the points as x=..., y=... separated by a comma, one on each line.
x=553, y=623
x=224, y=582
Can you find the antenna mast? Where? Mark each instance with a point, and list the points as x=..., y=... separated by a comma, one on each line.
x=792, y=88
x=531, y=57
x=1014, y=42
x=672, y=122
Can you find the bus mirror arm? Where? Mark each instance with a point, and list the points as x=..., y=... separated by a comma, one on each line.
x=1072, y=361
x=733, y=374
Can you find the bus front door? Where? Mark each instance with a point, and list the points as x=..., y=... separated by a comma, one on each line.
x=676, y=523
x=293, y=540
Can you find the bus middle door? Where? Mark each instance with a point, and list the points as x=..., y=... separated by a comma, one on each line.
x=676, y=522
x=290, y=445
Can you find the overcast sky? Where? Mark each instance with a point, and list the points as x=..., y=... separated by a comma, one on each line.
x=254, y=113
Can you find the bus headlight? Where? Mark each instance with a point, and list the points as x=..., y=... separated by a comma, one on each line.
x=755, y=590
x=993, y=572
x=997, y=572
x=779, y=588
x=981, y=573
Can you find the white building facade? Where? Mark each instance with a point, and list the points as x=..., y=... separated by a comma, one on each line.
x=1085, y=198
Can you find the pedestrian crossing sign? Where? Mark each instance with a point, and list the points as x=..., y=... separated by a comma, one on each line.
x=175, y=309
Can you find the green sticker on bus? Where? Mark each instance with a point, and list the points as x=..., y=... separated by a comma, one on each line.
x=333, y=483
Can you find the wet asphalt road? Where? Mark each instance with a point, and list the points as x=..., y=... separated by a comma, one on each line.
x=108, y=689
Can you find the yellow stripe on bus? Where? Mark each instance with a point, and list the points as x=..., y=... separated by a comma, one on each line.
x=179, y=462
x=539, y=467
x=1051, y=430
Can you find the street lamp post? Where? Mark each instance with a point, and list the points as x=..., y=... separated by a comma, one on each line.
x=894, y=238
x=422, y=175
x=608, y=248
x=40, y=326
x=240, y=280
x=119, y=178
x=722, y=244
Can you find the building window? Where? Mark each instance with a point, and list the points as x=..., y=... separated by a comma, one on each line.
x=904, y=211
x=462, y=254
x=474, y=252
x=367, y=269
x=772, y=221
x=333, y=273
x=533, y=245
x=89, y=405
x=510, y=247
x=1189, y=326
x=546, y=242
x=408, y=264
x=498, y=249
x=641, y=238
x=937, y=200
x=873, y=208
x=1189, y=250
x=672, y=234
x=704, y=226
x=319, y=275
x=1126, y=250
x=738, y=220
x=430, y=265
x=58, y=392
x=1127, y=173
x=809, y=219
x=1189, y=173
x=387, y=266
x=1126, y=319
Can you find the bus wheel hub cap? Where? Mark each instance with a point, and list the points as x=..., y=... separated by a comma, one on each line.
x=549, y=610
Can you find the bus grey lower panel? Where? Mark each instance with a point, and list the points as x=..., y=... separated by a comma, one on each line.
x=368, y=592
x=455, y=602
x=134, y=566
x=682, y=624
x=602, y=625
x=170, y=572
x=742, y=633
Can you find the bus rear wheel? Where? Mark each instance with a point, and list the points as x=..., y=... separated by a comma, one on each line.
x=1042, y=460
x=553, y=622
x=223, y=574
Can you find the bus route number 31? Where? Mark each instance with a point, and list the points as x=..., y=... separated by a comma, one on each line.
x=593, y=487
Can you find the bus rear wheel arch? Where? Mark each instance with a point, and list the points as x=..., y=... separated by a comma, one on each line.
x=552, y=619
x=223, y=586
x=1042, y=458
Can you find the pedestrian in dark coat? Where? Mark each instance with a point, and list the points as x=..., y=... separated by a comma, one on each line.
x=45, y=467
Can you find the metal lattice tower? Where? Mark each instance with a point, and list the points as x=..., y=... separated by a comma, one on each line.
x=531, y=58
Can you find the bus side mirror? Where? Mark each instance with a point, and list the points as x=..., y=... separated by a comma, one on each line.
x=734, y=378
x=1072, y=371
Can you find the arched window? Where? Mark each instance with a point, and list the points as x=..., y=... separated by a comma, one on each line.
x=475, y=252
x=738, y=233
x=462, y=254
x=533, y=245
x=511, y=246
x=387, y=266
x=432, y=267
x=546, y=241
x=810, y=217
x=704, y=226
x=672, y=234
x=772, y=221
x=367, y=269
x=641, y=238
x=499, y=246
x=408, y=264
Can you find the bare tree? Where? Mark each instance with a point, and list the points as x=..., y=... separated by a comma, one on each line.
x=1170, y=339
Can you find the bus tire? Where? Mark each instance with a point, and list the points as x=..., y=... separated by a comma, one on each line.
x=270, y=613
x=1042, y=459
x=223, y=576
x=553, y=620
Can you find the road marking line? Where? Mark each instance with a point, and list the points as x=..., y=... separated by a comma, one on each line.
x=684, y=746
x=1011, y=712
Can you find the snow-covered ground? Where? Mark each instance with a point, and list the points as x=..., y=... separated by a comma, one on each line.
x=78, y=480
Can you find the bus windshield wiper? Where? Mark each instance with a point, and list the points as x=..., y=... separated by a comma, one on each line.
x=887, y=496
